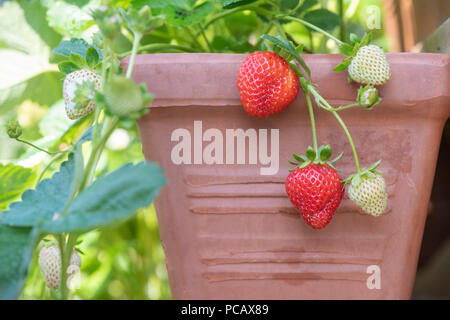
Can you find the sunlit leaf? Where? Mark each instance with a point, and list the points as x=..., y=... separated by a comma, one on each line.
x=13, y=181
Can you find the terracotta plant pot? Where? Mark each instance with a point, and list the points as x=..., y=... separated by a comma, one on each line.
x=231, y=233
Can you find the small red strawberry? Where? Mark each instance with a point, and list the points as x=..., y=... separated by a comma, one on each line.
x=266, y=83
x=315, y=188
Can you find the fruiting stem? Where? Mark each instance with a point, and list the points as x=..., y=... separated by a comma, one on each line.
x=194, y=39
x=109, y=125
x=313, y=123
x=62, y=278
x=136, y=41
x=226, y=13
x=38, y=148
x=41, y=175
x=329, y=108
x=280, y=30
x=299, y=4
x=312, y=27
x=208, y=44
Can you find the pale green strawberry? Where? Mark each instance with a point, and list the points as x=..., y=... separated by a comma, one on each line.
x=370, y=194
x=79, y=91
x=50, y=264
x=370, y=66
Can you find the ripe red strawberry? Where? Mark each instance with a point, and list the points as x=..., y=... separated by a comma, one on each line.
x=266, y=83
x=316, y=191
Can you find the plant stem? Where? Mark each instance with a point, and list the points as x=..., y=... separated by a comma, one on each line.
x=342, y=22
x=38, y=148
x=55, y=158
x=313, y=91
x=62, y=278
x=194, y=39
x=266, y=31
x=299, y=4
x=203, y=33
x=313, y=123
x=280, y=30
x=226, y=13
x=312, y=27
x=136, y=41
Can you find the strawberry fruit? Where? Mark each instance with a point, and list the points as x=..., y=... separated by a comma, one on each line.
x=314, y=187
x=79, y=91
x=50, y=264
x=370, y=66
x=368, y=191
x=266, y=83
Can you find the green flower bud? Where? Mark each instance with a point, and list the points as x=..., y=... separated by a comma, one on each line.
x=368, y=97
x=108, y=21
x=140, y=21
x=13, y=129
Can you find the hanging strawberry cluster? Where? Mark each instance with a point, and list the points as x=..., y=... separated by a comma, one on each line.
x=266, y=88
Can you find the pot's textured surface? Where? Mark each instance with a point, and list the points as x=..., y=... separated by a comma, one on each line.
x=231, y=233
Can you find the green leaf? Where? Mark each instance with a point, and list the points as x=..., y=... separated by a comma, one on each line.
x=67, y=67
x=184, y=16
x=356, y=180
x=25, y=42
x=287, y=46
x=230, y=4
x=299, y=158
x=307, y=4
x=325, y=152
x=366, y=39
x=345, y=63
x=311, y=154
x=44, y=88
x=346, y=49
x=92, y=57
x=36, y=17
x=323, y=19
x=110, y=199
x=68, y=19
x=354, y=38
x=16, y=247
x=74, y=46
x=13, y=181
x=78, y=60
x=42, y=203
x=337, y=158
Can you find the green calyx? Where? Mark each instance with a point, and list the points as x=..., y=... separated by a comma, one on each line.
x=366, y=173
x=108, y=21
x=125, y=99
x=351, y=50
x=368, y=97
x=140, y=21
x=289, y=53
x=13, y=129
x=322, y=156
x=84, y=94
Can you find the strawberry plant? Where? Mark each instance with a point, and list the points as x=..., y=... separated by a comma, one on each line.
x=48, y=208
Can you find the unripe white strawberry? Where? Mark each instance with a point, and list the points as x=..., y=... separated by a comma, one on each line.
x=50, y=264
x=78, y=91
x=370, y=66
x=370, y=195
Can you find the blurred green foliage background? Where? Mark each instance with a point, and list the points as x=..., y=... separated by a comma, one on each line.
x=126, y=261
